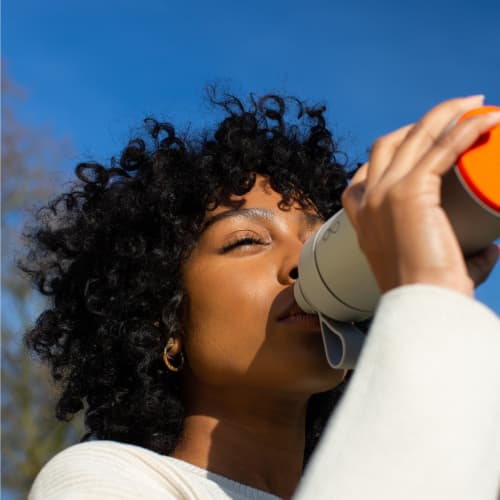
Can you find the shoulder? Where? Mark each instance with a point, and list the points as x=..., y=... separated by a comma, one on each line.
x=108, y=469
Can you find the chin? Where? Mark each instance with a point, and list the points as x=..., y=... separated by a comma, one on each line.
x=321, y=377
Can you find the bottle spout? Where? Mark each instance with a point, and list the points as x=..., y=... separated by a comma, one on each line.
x=342, y=341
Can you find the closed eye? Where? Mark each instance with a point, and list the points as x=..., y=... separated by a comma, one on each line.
x=241, y=242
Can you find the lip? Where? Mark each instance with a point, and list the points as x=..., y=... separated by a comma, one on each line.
x=308, y=320
x=293, y=314
x=291, y=309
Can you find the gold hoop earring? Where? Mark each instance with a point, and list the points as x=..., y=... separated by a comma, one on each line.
x=167, y=359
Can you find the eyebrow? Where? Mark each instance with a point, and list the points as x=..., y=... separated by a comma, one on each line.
x=310, y=219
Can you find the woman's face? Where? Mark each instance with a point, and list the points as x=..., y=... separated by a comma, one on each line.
x=242, y=327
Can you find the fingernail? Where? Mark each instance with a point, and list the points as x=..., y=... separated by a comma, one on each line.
x=493, y=117
x=476, y=98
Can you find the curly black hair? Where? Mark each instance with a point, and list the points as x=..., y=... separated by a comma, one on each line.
x=109, y=252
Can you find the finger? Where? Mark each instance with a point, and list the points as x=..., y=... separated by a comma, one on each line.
x=481, y=265
x=382, y=154
x=360, y=174
x=451, y=145
x=352, y=195
x=424, y=135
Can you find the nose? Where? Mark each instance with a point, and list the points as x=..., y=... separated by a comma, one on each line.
x=289, y=270
x=292, y=248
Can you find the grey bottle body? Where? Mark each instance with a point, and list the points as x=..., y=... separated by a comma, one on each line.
x=336, y=281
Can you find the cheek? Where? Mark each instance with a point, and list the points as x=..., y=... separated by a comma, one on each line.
x=226, y=320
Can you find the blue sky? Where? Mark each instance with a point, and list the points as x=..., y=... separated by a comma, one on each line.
x=94, y=69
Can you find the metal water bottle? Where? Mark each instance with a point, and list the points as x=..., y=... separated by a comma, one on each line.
x=335, y=279
x=471, y=190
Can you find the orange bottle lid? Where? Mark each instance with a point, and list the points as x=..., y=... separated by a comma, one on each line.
x=479, y=166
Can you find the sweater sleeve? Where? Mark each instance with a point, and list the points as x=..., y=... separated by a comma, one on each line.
x=421, y=416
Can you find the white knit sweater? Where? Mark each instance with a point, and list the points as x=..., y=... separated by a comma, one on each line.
x=420, y=420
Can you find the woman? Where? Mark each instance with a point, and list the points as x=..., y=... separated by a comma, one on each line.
x=173, y=321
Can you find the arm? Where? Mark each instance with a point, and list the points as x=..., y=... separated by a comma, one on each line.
x=420, y=418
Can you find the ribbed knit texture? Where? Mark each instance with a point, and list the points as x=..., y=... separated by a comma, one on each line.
x=110, y=470
x=420, y=420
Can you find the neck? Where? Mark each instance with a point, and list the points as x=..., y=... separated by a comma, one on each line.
x=250, y=437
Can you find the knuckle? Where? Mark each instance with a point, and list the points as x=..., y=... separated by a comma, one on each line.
x=372, y=201
x=348, y=197
x=379, y=143
x=398, y=193
x=360, y=173
x=424, y=132
x=415, y=130
x=452, y=142
x=345, y=196
x=351, y=198
x=448, y=144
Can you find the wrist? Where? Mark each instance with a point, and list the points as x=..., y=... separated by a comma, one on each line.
x=450, y=280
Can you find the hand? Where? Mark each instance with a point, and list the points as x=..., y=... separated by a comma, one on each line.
x=393, y=202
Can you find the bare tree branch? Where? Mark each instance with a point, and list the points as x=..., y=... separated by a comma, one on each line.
x=30, y=432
